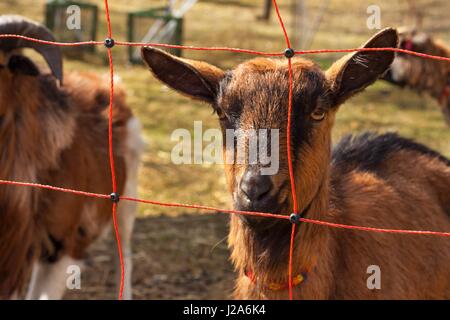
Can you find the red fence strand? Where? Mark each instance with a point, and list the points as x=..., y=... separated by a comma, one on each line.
x=202, y=207
x=289, y=151
x=111, y=155
x=228, y=49
x=108, y=19
x=283, y=216
x=53, y=188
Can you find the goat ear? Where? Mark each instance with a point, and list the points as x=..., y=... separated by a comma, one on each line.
x=198, y=80
x=354, y=72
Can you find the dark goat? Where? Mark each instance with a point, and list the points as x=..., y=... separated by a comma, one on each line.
x=55, y=132
x=423, y=75
x=381, y=181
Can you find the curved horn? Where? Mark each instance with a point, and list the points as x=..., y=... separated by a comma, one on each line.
x=12, y=24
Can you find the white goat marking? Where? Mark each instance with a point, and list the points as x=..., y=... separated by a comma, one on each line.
x=48, y=280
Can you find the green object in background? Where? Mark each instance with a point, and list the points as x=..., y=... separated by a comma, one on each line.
x=156, y=25
x=56, y=17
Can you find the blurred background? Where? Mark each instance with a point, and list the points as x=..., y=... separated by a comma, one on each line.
x=180, y=253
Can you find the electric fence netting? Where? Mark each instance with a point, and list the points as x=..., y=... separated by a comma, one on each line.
x=292, y=217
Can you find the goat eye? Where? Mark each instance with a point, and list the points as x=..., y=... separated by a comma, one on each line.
x=318, y=115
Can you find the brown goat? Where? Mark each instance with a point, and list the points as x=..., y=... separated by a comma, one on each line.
x=56, y=134
x=370, y=180
x=423, y=75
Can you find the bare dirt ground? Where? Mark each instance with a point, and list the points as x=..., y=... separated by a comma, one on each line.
x=183, y=257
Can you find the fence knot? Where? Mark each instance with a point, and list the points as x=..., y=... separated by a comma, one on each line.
x=289, y=53
x=114, y=197
x=109, y=43
x=294, y=218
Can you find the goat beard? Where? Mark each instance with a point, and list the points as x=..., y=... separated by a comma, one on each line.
x=266, y=240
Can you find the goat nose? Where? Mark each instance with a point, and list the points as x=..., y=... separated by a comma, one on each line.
x=255, y=186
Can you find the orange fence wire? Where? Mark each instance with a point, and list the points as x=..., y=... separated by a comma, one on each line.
x=202, y=207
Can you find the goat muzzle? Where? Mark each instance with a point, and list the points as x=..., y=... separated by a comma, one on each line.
x=17, y=25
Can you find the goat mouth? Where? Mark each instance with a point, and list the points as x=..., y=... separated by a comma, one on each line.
x=276, y=207
x=388, y=76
